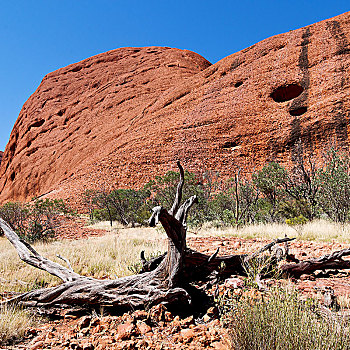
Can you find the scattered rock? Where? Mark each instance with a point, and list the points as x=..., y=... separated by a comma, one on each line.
x=37, y=345
x=125, y=331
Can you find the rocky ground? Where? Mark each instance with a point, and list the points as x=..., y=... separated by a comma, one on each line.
x=155, y=329
x=158, y=328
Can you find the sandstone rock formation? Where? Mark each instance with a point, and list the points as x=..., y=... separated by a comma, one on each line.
x=126, y=115
x=1, y=154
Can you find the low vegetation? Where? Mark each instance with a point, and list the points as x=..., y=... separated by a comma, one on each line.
x=312, y=189
x=281, y=320
x=37, y=220
x=14, y=322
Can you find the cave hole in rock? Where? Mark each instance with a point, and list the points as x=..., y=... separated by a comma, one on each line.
x=37, y=123
x=61, y=112
x=12, y=176
x=230, y=144
x=238, y=84
x=287, y=92
x=298, y=111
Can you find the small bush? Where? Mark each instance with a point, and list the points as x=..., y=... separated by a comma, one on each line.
x=36, y=221
x=281, y=320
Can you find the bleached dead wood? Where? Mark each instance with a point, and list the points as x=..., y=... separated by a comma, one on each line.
x=165, y=279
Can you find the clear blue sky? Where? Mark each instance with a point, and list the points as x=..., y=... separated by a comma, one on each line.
x=38, y=37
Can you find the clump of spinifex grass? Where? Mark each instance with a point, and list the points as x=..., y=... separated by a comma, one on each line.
x=280, y=320
x=14, y=322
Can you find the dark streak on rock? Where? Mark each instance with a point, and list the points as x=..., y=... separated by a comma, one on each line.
x=301, y=102
x=341, y=116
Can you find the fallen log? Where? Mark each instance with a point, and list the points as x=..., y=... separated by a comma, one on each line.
x=166, y=279
x=167, y=282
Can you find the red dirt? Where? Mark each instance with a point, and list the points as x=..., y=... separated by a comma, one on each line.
x=158, y=328
x=124, y=116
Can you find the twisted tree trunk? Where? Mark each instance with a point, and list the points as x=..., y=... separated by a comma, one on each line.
x=163, y=280
x=165, y=283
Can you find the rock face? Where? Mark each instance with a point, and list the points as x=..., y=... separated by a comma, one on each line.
x=1, y=154
x=126, y=115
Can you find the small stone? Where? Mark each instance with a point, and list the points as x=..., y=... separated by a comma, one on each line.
x=219, y=346
x=187, y=321
x=157, y=312
x=124, y=331
x=206, y=318
x=84, y=322
x=143, y=327
x=234, y=283
x=187, y=334
x=37, y=345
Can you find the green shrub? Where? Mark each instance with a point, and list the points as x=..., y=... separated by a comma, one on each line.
x=34, y=221
x=334, y=184
x=280, y=320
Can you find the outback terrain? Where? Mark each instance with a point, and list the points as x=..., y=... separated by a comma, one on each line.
x=158, y=328
x=121, y=118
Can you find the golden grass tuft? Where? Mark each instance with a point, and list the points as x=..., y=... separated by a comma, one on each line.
x=318, y=230
x=14, y=322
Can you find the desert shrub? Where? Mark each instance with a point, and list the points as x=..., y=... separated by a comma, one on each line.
x=128, y=206
x=235, y=203
x=34, y=221
x=334, y=184
x=280, y=320
x=270, y=181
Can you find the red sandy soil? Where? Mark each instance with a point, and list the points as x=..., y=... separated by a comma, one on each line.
x=158, y=328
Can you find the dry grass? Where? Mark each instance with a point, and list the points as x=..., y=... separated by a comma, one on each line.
x=318, y=230
x=100, y=257
x=13, y=323
x=281, y=320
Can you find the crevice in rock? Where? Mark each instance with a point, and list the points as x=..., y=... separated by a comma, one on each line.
x=229, y=144
x=298, y=111
x=287, y=92
x=37, y=124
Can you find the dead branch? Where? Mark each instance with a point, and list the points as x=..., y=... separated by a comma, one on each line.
x=328, y=261
x=268, y=247
x=165, y=279
x=30, y=256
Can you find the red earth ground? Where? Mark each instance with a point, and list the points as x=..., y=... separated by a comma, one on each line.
x=158, y=328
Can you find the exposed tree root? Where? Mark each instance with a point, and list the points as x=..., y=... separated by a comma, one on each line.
x=165, y=279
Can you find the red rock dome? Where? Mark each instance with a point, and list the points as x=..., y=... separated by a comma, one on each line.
x=126, y=115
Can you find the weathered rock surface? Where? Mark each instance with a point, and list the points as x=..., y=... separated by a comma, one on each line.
x=1, y=155
x=126, y=115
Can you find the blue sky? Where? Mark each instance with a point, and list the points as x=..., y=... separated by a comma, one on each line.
x=38, y=37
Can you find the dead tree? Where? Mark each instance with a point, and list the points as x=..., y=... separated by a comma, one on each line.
x=164, y=280
x=166, y=283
